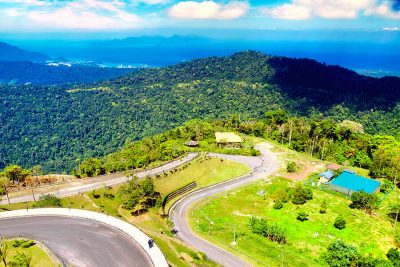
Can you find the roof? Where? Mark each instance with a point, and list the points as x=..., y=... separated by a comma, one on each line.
x=192, y=143
x=227, y=137
x=333, y=166
x=328, y=175
x=356, y=183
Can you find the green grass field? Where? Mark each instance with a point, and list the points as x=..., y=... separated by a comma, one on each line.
x=39, y=257
x=306, y=240
x=204, y=170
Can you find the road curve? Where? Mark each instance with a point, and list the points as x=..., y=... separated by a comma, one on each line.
x=99, y=182
x=262, y=166
x=77, y=241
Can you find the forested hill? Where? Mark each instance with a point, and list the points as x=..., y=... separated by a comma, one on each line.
x=42, y=74
x=13, y=53
x=59, y=126
x=320, y=85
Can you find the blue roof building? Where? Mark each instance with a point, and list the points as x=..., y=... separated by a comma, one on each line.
x=328, y=175
x=348, y=183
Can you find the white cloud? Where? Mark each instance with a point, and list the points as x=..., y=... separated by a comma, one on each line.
x=288, y=11
x=82, y=15
x=329, y=9
x=391, y=29
x=383, y=9
x=208, y=10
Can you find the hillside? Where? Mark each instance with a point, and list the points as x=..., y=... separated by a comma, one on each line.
x=59, y=126
x=13, y=53
x=41, y=74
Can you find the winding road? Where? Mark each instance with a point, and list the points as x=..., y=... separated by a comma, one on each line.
x=262, y=166
x=87, y=185
x=79, y=242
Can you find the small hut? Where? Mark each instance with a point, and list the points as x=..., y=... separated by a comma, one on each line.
x=333, y=167
x=228, y=139
x=192, y=143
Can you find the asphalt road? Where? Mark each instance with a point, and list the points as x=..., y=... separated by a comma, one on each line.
x=96, y=182
x=262, y=166
x=79, y=242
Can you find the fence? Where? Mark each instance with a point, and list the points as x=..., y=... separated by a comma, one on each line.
x=178, y=192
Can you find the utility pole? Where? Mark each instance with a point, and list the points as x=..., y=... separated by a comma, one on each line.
x=33, y=194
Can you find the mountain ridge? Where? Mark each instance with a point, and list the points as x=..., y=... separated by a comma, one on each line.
x=13, y=53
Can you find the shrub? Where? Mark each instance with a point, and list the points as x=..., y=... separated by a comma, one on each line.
x=394, y=256
x=20, y=260
x=291, y=166
x=48, y=201
x=284, y=194
x=271, y=231
x=301, y=195
x=323, y=207
x=302, y=216
x=386, y=185
x=23, y=243
x=340, y=223
x=278, y=204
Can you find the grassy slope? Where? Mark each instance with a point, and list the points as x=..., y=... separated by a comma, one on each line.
x=306, y=240
x=204, y=170
x=39, y=256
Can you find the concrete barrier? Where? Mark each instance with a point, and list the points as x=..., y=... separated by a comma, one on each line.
x=155, y=254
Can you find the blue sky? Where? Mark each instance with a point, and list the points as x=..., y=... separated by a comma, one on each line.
x=123, y=15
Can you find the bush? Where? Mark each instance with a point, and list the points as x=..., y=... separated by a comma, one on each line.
x=278, y=204
x=48, y=201
x=301, y=195
x=386, y=185
x=394, y=256
x=22, y=243
x=271, y=231
x=340, y=223
x=291, y=166
x=20, y=260
x=323, y=207
x=284, y=194
x=302, y=216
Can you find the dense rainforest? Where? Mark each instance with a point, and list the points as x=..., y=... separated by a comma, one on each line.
x=60, y=126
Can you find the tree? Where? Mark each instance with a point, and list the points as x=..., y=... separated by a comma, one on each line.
x=278, y=117
x=91, y=167
x=340, y=223
x=340, y=254
x=323, y=207
x=394, y=213
x=291, y=166
x=301, y=195
x=3, y=250
x=15, y=173
x=363, y=200
x=148, y=186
